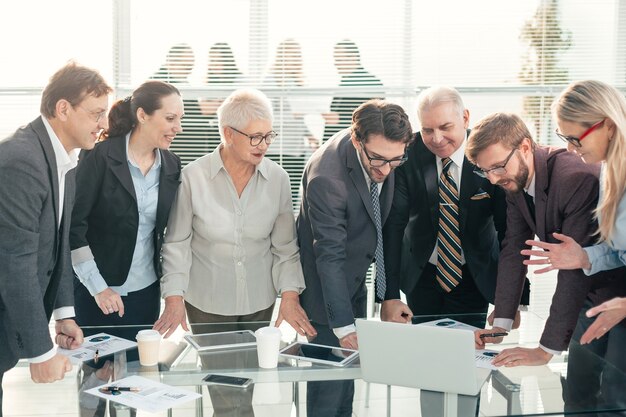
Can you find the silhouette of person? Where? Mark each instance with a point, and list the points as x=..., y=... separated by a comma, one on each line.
x=222, y=72
x=193, y=141
x=295, y=142
x=348, y=63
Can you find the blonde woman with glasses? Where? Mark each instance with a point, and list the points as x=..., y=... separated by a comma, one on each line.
x=591, y=118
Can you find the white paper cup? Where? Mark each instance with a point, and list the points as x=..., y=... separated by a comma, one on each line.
x=267, y=345
x=148, y=342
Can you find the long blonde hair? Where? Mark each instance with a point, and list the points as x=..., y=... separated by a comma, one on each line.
x=588, y=102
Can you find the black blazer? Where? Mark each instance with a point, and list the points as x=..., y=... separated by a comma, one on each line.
x=106, y=217
x=410, y=233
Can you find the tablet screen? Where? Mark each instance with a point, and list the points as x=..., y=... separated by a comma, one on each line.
x=312, y=352
x=223, y=340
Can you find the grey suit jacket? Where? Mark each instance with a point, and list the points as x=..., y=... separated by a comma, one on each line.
x=566, y=193
x=35, y=267
x=337, y=233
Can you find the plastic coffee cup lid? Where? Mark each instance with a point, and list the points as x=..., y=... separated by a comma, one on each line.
x=148, y=335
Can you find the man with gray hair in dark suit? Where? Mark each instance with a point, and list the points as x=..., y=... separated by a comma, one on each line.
x=36, y=197
x=347, y=188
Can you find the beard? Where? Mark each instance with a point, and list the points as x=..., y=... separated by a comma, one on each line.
x=520, y=179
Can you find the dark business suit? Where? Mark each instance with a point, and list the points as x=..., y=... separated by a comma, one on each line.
x=337, y=237
x=105, y=220
x=566, y=194
x=35, y=267
x=410, y=235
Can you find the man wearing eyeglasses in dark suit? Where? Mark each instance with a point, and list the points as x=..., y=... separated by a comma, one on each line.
x=549, y=190
x=347, y=190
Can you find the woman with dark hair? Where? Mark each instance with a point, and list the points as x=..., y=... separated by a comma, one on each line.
x=124, y=189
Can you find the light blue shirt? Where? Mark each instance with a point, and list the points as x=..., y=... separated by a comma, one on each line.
x=610, y=255
x=141, y=273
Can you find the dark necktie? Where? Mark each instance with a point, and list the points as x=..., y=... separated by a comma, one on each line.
x=530, y=202
x=381, y=283
x=448, y=240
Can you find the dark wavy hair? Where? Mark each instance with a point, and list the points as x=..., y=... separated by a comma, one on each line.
x=148, y=96
x=380, y=117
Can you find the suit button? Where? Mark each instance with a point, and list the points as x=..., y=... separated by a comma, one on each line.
x=49, y=273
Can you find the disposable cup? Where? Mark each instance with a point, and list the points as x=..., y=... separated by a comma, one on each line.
x=267, y=346
x=148, y=342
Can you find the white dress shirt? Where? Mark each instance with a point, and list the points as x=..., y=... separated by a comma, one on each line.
x=226, y=254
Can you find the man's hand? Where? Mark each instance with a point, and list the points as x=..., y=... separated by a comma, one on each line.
x=173, y=315
x=349, y=341
x=611, y=312
x=291, y=311
x=68, y=334
x=396, y=311
x=479, y=342
x=522, y=356
x=109, y=302
x=51, y=370
x=566, y=255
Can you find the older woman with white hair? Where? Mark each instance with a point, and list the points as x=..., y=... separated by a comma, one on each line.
x=231, y=245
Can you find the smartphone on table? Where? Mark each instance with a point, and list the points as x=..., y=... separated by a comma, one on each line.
x=231, y=381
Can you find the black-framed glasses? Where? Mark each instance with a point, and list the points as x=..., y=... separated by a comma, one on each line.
x=95, y=115
x=380, y=162
x=497, y=170
x=576, y=141
x=255, y=140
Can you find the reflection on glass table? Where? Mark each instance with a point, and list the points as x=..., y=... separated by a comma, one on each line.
x=578, y=381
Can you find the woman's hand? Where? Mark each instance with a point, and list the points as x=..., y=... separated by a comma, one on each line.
x=109, y=302
x=291, y=311
x=610, y=313
x=566, y=255
x=173, y=315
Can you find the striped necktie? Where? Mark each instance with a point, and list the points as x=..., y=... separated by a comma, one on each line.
x=381, y=283
x=448, y=240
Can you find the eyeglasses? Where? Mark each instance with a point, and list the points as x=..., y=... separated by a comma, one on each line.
x=498, y=170
x=95, y=115
x=380, y=162
x=576, y=141
x=255, y=140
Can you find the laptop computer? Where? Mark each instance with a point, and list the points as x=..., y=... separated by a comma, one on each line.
x=424, y=357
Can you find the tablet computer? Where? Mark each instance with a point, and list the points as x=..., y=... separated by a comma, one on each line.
x=222, y=340
x=327, y=355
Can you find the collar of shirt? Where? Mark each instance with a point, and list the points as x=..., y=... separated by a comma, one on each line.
x=531, y=188
x=368, y=180
x=457, y=163
x=157, y=156
x=65, y=160
x=217, y=164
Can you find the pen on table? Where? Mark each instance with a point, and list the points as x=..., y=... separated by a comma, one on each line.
x=493, y=334
x=113, y=388
x=95, y=356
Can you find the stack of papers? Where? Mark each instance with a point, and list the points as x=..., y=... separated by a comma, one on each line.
x=104, y=344
x=146, y=394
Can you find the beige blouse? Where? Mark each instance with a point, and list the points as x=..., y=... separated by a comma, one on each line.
x=229, y=255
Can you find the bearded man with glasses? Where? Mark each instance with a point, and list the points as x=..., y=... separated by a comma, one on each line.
x=549, y=190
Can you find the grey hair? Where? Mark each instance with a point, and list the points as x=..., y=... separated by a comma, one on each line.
x=436, y=95
x=243, y=106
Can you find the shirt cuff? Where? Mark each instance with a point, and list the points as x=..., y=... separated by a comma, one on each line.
x=506, y=324
x=294, y=289
x=342, y=332
x=42, y=358
x=63, y=313
x=89, y=275
x=553, y=352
